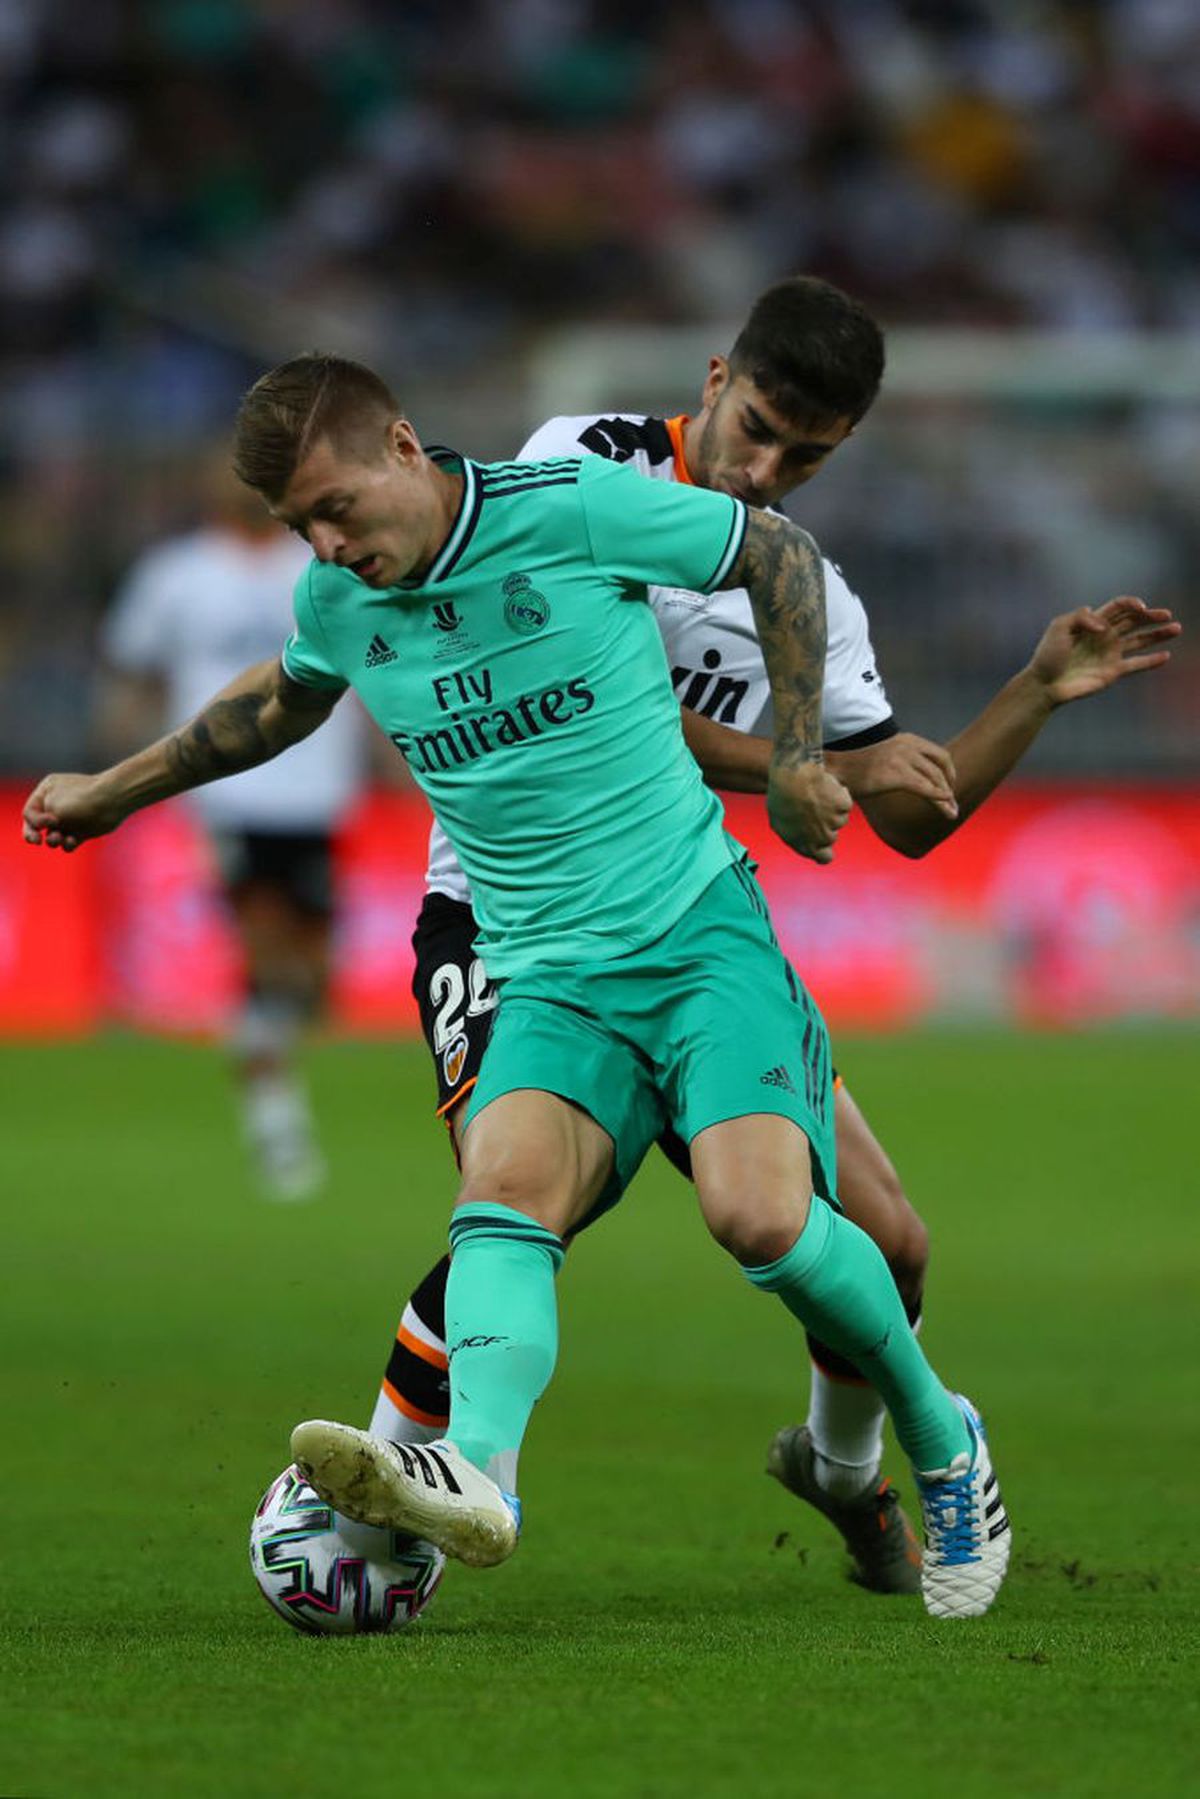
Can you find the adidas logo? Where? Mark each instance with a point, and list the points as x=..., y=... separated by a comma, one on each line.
x=379, y=652
x=778, y=1077
x=415, y=1462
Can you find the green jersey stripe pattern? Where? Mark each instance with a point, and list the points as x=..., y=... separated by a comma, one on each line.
x=530, y=696
x=730, y=554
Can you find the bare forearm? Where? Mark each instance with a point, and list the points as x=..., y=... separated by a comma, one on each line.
x=984, y=753
x=738, y=762
x=731, y=761
x=780, y=568
x=253, y=719
x=990, y=747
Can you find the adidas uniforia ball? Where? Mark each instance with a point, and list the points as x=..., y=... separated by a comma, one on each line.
x=331, y=1577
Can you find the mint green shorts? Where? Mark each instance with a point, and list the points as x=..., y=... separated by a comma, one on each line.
x=709, y=1022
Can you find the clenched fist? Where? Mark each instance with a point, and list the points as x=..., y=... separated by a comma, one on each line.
x=807, y=807
x=63, y=811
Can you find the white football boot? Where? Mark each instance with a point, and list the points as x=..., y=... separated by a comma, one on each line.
x=429, y=1490
x=967, y=1533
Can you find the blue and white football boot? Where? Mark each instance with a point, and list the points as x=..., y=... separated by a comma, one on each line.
x=967, y=1533
x=429, y=1490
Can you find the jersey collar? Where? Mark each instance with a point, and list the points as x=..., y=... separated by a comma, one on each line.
x=465, y=518
x=675, y=430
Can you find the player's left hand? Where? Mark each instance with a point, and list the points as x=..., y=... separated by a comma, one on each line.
x=1087, y=650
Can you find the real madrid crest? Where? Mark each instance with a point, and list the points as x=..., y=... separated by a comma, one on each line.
x=525, y=609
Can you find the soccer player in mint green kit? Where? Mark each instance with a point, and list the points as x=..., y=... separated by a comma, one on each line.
x=492, y=618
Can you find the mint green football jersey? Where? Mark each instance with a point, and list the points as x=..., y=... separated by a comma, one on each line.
x=525, y=683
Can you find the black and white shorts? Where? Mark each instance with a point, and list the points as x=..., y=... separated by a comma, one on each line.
x=298, y=864
x=454, y=996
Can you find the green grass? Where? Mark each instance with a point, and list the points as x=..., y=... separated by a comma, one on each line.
x=673, y=1624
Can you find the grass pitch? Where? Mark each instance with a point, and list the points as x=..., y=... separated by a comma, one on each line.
x=674, y=1624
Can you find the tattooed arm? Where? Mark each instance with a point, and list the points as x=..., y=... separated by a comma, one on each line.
x=780, y=568
x=259, y=714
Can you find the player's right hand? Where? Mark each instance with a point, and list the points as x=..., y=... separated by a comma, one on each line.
x=807, y=807
x=63, y=811
x=904, y=763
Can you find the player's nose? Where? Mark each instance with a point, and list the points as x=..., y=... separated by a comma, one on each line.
x=761, y=475
x=324, y=540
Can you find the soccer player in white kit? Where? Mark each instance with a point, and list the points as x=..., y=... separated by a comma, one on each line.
x=805, y=368
x=191, y=613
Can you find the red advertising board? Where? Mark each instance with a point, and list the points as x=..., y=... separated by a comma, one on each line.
x=1056, y=906
x=50, y=949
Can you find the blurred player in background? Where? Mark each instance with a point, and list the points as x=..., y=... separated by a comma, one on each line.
x=191, y=613
x=805, y=368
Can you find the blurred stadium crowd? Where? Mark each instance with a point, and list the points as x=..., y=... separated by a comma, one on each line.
x=192, y=188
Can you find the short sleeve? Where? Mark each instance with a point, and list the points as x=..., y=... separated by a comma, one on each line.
x=306, y=656
x=557, y=437
x=135, y=634
x=659, y=533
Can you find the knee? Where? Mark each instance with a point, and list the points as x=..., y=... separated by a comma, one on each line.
x=755, y=1235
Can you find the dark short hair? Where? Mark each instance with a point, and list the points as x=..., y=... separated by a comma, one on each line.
x=814, y=352
x=291, y=408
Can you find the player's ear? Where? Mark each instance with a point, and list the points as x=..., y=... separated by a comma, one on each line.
x=403, y=442
x=715, y=381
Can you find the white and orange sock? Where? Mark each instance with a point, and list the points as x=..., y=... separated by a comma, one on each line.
x=414, y=1398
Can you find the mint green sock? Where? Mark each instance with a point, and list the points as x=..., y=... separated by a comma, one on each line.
x=501, y=1331
x=836, y=1282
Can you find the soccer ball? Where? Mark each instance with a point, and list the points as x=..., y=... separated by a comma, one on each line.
x=331, y=1577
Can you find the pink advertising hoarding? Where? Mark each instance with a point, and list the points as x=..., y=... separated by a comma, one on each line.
x=1056, y=906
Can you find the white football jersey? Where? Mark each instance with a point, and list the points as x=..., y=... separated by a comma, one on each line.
x=195, y=611
x=717, y=666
